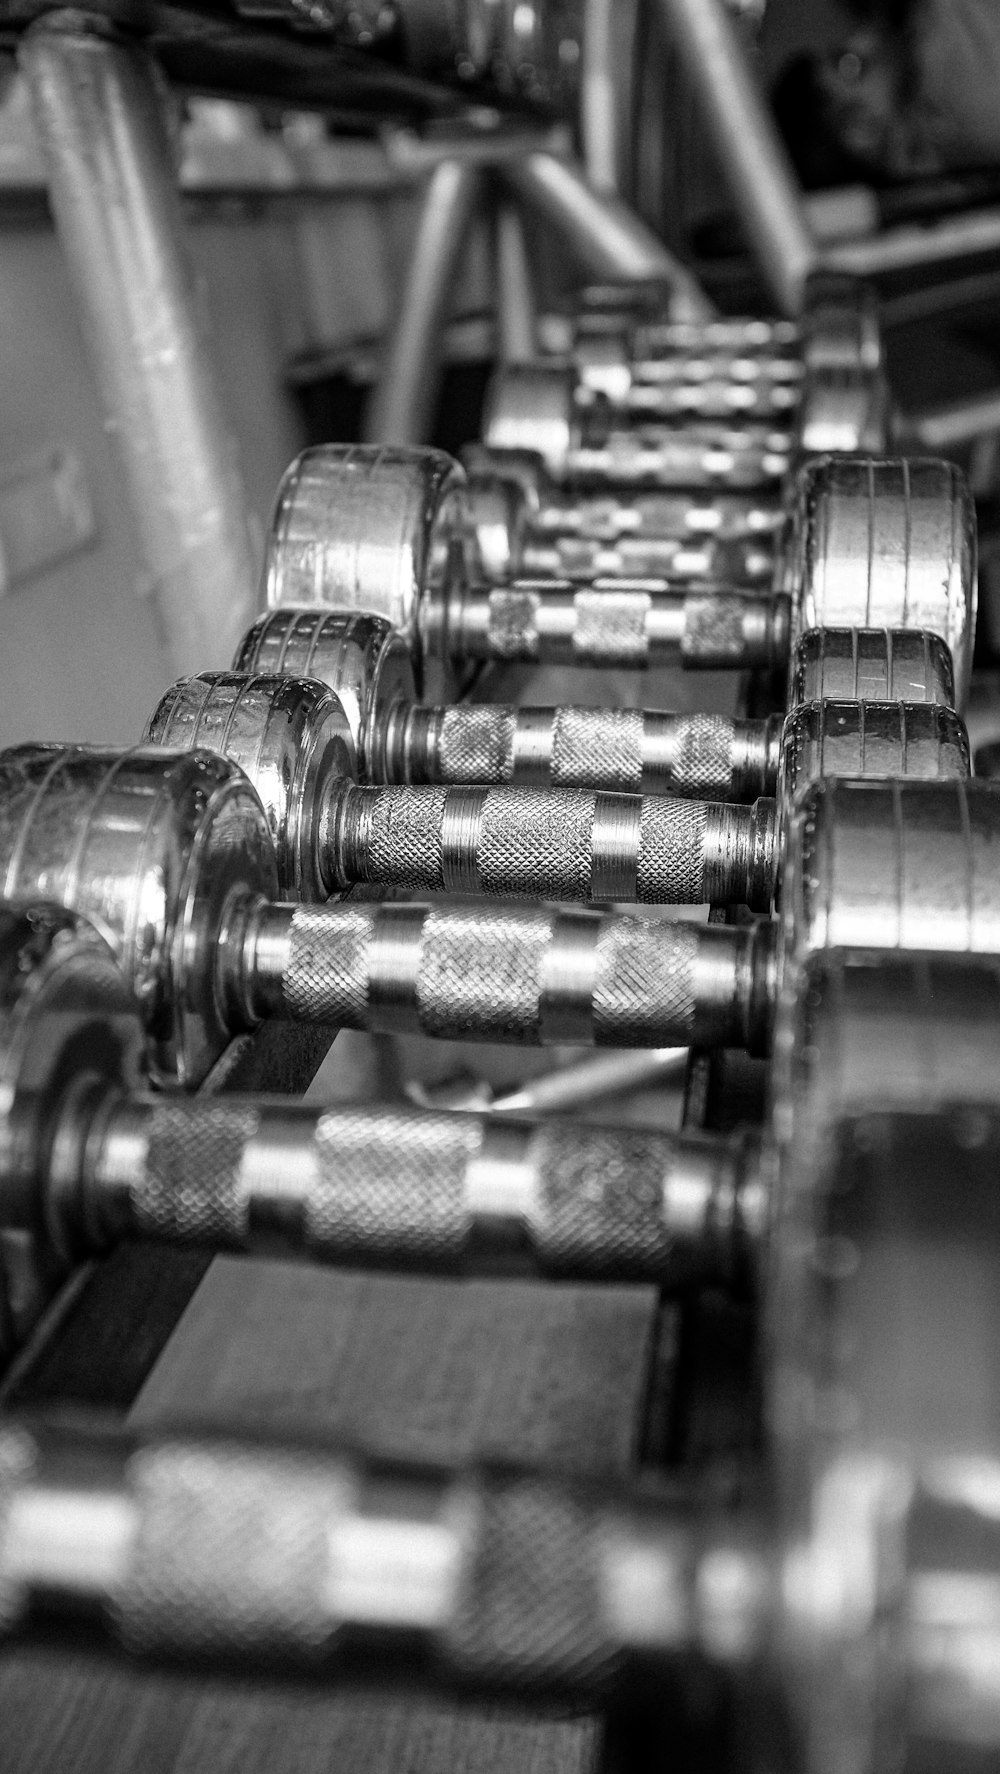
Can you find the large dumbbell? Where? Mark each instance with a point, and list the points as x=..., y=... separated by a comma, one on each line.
x=870, y=544
x=862, y=1584
x=703, y=756
x=170, y=855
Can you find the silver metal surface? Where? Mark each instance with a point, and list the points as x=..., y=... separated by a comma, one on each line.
x=401, y=408
x=98, y=109
x=745, y=138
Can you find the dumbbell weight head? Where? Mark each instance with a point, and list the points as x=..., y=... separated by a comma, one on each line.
x=362, y=659
x=871, y=665
x=884, y=544
x=373, y=531
x=163, y=852
x=289, y=736
x=69, y=1032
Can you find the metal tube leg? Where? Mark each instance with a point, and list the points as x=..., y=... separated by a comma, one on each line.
x=98, y=112
x=515, y=294
x=610, y=240
x=400, y=409
x=751, y=153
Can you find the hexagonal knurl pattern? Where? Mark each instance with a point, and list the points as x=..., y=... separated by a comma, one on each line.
x=611, y=627
x=704, y=758
x=597, y=748
x=391, y=1184
x=513, y=624
x=191, y=1190
x=231, y=1553
x=537, y=843
x=529, y=1608
x=476, y=744
x=480, y=974
x=329, y=964
x=644, y=991
x=671, y=867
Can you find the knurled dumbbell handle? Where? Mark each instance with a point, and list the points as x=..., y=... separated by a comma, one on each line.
x=502, y=973
x=681, y=459
x=680, y=560
x=560, y=844
x=691, y=756
x=734, y=518
x=439, y=1191
x=255, y=1553
x=759, y=401
x=633, y=625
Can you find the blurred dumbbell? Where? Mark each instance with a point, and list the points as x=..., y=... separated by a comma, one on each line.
x=859, y=1587
x=585, y=441
x=704, y=756
x=644, y=364
x=869, y=544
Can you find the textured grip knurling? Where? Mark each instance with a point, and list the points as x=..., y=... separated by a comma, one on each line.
x=476, y=744
x=528, y=1614
x=512, y=627
x=597, y=748
x=600, y=1202
x=399, y=836
x=191, y=1189
x=713, y=625
x=671, y=867
x=391, y=1184
x=231, y=1553
x=644, y=987
x=534, y=841
x=703, y=760
x=329, y=965
x=610, y=627
x=480, y=974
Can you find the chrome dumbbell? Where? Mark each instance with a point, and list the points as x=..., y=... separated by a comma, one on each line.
x=645, y=364
x=90, y=1160
x=559, y=843
x=171, y=856
x=583, y=443
x=870, y=544
x=858, y=1580
x=712, y=757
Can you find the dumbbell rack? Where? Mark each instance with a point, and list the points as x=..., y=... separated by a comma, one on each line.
x=711, y=1408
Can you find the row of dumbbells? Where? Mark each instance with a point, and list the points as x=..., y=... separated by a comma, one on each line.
x=176, y=858
x=849, y=1585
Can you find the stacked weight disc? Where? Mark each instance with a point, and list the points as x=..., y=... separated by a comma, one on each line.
x=159, y=901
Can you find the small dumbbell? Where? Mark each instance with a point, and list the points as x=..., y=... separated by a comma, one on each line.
x=744, y=367
x=537, y=407
x=702, y=756
x=870, y=544
x=720, y=536
x=858, y=1587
